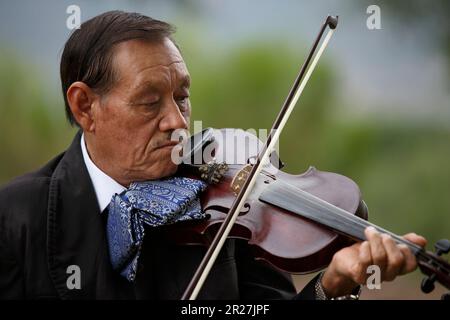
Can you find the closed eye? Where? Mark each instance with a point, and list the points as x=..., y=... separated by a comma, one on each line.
x=151, y=104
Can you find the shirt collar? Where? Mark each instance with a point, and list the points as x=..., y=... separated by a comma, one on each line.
x=105, y=186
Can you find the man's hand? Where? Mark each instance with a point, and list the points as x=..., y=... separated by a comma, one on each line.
x=348, y=269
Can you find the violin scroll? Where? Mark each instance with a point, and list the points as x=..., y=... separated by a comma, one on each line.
x=332, y=21
x=436, y=268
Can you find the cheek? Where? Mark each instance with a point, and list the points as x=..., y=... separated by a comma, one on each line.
x=156, y=165
x=129, y=141
x=160, y=157
x=125, y=126
x=110, y=121
x=136, y=148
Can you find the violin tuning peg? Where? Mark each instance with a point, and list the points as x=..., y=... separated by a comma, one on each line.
x=427, y=284
x=442, y=246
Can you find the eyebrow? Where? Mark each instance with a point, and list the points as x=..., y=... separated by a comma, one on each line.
x=152, y=85
x=149, y=85
x=185, y=81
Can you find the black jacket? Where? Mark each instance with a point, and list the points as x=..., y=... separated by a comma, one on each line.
x=50, y=220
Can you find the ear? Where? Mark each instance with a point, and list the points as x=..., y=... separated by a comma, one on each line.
x=82, y=101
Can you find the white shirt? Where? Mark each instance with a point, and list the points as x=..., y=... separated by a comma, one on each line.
x=105, y=186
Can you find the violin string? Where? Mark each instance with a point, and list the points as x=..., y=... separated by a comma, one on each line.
x=351, y=221
x=351, y=224
x=347, y=219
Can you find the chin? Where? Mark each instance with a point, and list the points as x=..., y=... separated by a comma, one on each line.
x=172, y=170
x=168, y=171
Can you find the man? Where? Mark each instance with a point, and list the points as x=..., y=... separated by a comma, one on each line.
x=126, y=86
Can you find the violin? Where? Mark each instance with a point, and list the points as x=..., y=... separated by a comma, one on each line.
x=294, y=222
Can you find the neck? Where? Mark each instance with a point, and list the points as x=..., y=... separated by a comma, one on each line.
x=96, y=161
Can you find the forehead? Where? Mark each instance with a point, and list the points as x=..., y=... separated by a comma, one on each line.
x=139, y=60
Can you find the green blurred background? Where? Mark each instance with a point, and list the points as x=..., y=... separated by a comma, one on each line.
x=376, y=108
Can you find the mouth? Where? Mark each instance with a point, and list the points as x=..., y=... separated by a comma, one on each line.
x=168, y=144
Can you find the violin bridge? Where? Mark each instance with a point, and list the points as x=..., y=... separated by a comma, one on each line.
x=212, y=172
x=240, y=178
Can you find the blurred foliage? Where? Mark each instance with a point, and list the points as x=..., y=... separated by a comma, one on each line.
x=32, y=128
x=415, y=15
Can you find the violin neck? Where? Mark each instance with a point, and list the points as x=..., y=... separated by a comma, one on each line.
x=300, y=202
x=295, y=200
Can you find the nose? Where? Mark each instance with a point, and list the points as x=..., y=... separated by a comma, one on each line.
x=172, y=118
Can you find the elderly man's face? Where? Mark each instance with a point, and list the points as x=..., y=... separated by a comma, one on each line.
x=135, y=119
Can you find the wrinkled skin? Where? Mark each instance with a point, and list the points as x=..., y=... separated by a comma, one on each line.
x=128, y=129
x=348, y=267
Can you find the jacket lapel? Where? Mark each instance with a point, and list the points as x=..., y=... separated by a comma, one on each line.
x=76, y=233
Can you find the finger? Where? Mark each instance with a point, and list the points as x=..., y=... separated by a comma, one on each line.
x=377, y=250
x=395, y=258
x=410, y=260
x=419, y=240
x=365, y=260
